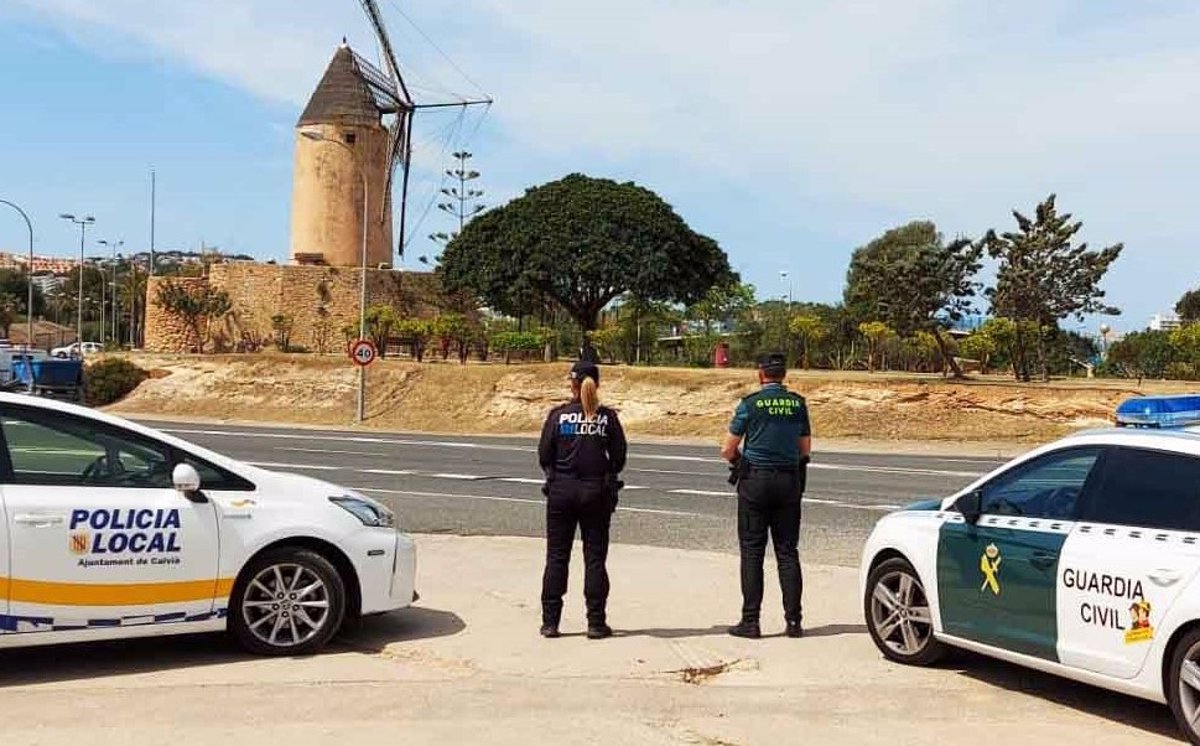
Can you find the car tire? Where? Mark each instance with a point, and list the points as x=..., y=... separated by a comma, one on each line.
x=288, y=601
x=899, y=618
x=1183, y=684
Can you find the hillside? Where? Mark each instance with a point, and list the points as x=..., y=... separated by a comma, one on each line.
x=676, y=403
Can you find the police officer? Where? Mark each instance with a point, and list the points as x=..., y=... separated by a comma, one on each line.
x=582, y=452
x=773, y=430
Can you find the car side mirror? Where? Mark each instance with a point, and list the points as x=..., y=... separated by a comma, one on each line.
x=971, y=506
x=186, y=480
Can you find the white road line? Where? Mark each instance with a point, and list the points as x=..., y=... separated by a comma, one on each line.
x=521, y=480
x=460, y=477
x=523, y=449
x=521, y=500
x=895, y=470
x=820, y=501
x=702, y=493
x=389, y=472
x=330, y=450
x=276, y=465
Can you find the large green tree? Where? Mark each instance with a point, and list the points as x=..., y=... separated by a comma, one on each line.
x=914, y=281
x=1188, y=306
x=582, y=242
x=1044, y=277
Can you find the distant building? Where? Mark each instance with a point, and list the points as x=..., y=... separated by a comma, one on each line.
x=41, y=264
x=1164, y=322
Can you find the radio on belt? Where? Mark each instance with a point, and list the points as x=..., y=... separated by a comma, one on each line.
x=1180, y=410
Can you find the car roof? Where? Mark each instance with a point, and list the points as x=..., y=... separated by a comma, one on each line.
x=1182, y=439
x=52, y=405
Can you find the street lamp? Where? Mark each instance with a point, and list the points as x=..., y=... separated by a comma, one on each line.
x=113, y=246
x=29, y=307
x=317, y=136
x=83, y=223
x=783, y=277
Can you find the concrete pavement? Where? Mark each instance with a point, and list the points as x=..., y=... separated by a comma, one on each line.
x=467, y=666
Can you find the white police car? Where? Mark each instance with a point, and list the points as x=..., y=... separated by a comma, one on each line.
x=111, y=530
x=1081, y=558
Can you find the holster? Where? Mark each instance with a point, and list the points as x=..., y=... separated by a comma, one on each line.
x=738, y=470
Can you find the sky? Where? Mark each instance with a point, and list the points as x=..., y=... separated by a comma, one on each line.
x=791, y=131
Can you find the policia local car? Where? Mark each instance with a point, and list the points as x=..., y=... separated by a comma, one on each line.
x=112, y=530
x=1081, y=558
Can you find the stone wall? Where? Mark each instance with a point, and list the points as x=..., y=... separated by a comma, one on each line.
x=321, y=301
x=166, y=332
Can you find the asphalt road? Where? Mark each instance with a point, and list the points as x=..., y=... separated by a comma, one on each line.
x=676, y=496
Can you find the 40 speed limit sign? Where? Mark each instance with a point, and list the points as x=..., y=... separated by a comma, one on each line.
x=363, y=352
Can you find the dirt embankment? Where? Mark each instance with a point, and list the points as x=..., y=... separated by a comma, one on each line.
x=674, y=403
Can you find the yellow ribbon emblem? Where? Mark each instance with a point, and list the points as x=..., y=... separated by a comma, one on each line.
x=989, y=565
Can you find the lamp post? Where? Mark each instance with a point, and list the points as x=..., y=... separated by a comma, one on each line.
x=316, y=136
x=83, y=223
x=113, y=246
x=29, y=306
x=783, y=277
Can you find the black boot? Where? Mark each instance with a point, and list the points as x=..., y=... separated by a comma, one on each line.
x=794, y=630
x=747, y=628
x=599, y=631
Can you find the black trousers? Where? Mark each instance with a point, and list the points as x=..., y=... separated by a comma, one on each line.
x=769, y=503
x=584, y=504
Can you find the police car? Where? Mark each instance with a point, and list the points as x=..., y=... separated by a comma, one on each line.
x=1080, y=558
x=114, y=530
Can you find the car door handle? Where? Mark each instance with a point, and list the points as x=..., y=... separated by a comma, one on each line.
x=38, y=520
x=1043, y=560
x=1165, y=576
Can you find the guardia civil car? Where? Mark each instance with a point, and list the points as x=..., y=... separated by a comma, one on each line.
x=1081, y=558
x=113, y=530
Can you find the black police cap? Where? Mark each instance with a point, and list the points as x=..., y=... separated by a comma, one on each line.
x=773, y=363
x=585, y=369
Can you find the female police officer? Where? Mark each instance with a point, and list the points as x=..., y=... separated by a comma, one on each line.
x=582, y=451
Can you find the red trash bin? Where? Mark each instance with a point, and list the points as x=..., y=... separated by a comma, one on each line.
x=721, y=355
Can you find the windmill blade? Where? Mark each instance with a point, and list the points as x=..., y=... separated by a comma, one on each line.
x=371, y=8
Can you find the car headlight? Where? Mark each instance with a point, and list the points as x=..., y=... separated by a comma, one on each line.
x=370, y=512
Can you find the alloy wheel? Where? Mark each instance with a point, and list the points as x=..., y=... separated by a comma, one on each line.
x=286, y=605
x=900, y=613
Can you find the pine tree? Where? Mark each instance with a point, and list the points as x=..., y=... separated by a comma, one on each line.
x=1043, y=277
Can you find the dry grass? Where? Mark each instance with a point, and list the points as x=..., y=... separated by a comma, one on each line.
x=498, y=399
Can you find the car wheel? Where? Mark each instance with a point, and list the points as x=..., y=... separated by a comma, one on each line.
x=1183, y=684
x=289, y=601
x=898, y=614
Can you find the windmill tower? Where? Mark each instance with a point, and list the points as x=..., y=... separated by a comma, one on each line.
x=356, y=127
x=358, y=121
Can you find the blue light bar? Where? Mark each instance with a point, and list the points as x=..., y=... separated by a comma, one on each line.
x=1159, y=411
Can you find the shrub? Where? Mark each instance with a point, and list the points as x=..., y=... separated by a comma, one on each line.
x=111, y=380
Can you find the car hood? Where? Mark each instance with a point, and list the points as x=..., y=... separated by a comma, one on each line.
x=298, y=487
x=924, y=505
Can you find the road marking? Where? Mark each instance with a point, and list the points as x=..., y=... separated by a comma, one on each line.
x=276, y=465
x=330, y=450
x=389, y=472
x=522, y=500
x=525, y=449
x=702, y=493
x=461, y=477
x=894, y=470
x=521, y=480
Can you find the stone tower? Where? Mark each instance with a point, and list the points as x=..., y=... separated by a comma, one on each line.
x=327, y=188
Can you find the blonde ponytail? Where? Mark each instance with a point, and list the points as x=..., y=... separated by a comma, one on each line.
x=589, y=397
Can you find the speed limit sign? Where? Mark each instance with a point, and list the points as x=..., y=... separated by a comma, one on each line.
x=363, y=352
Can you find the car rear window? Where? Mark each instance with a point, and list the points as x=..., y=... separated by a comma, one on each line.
x=1147, y=489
